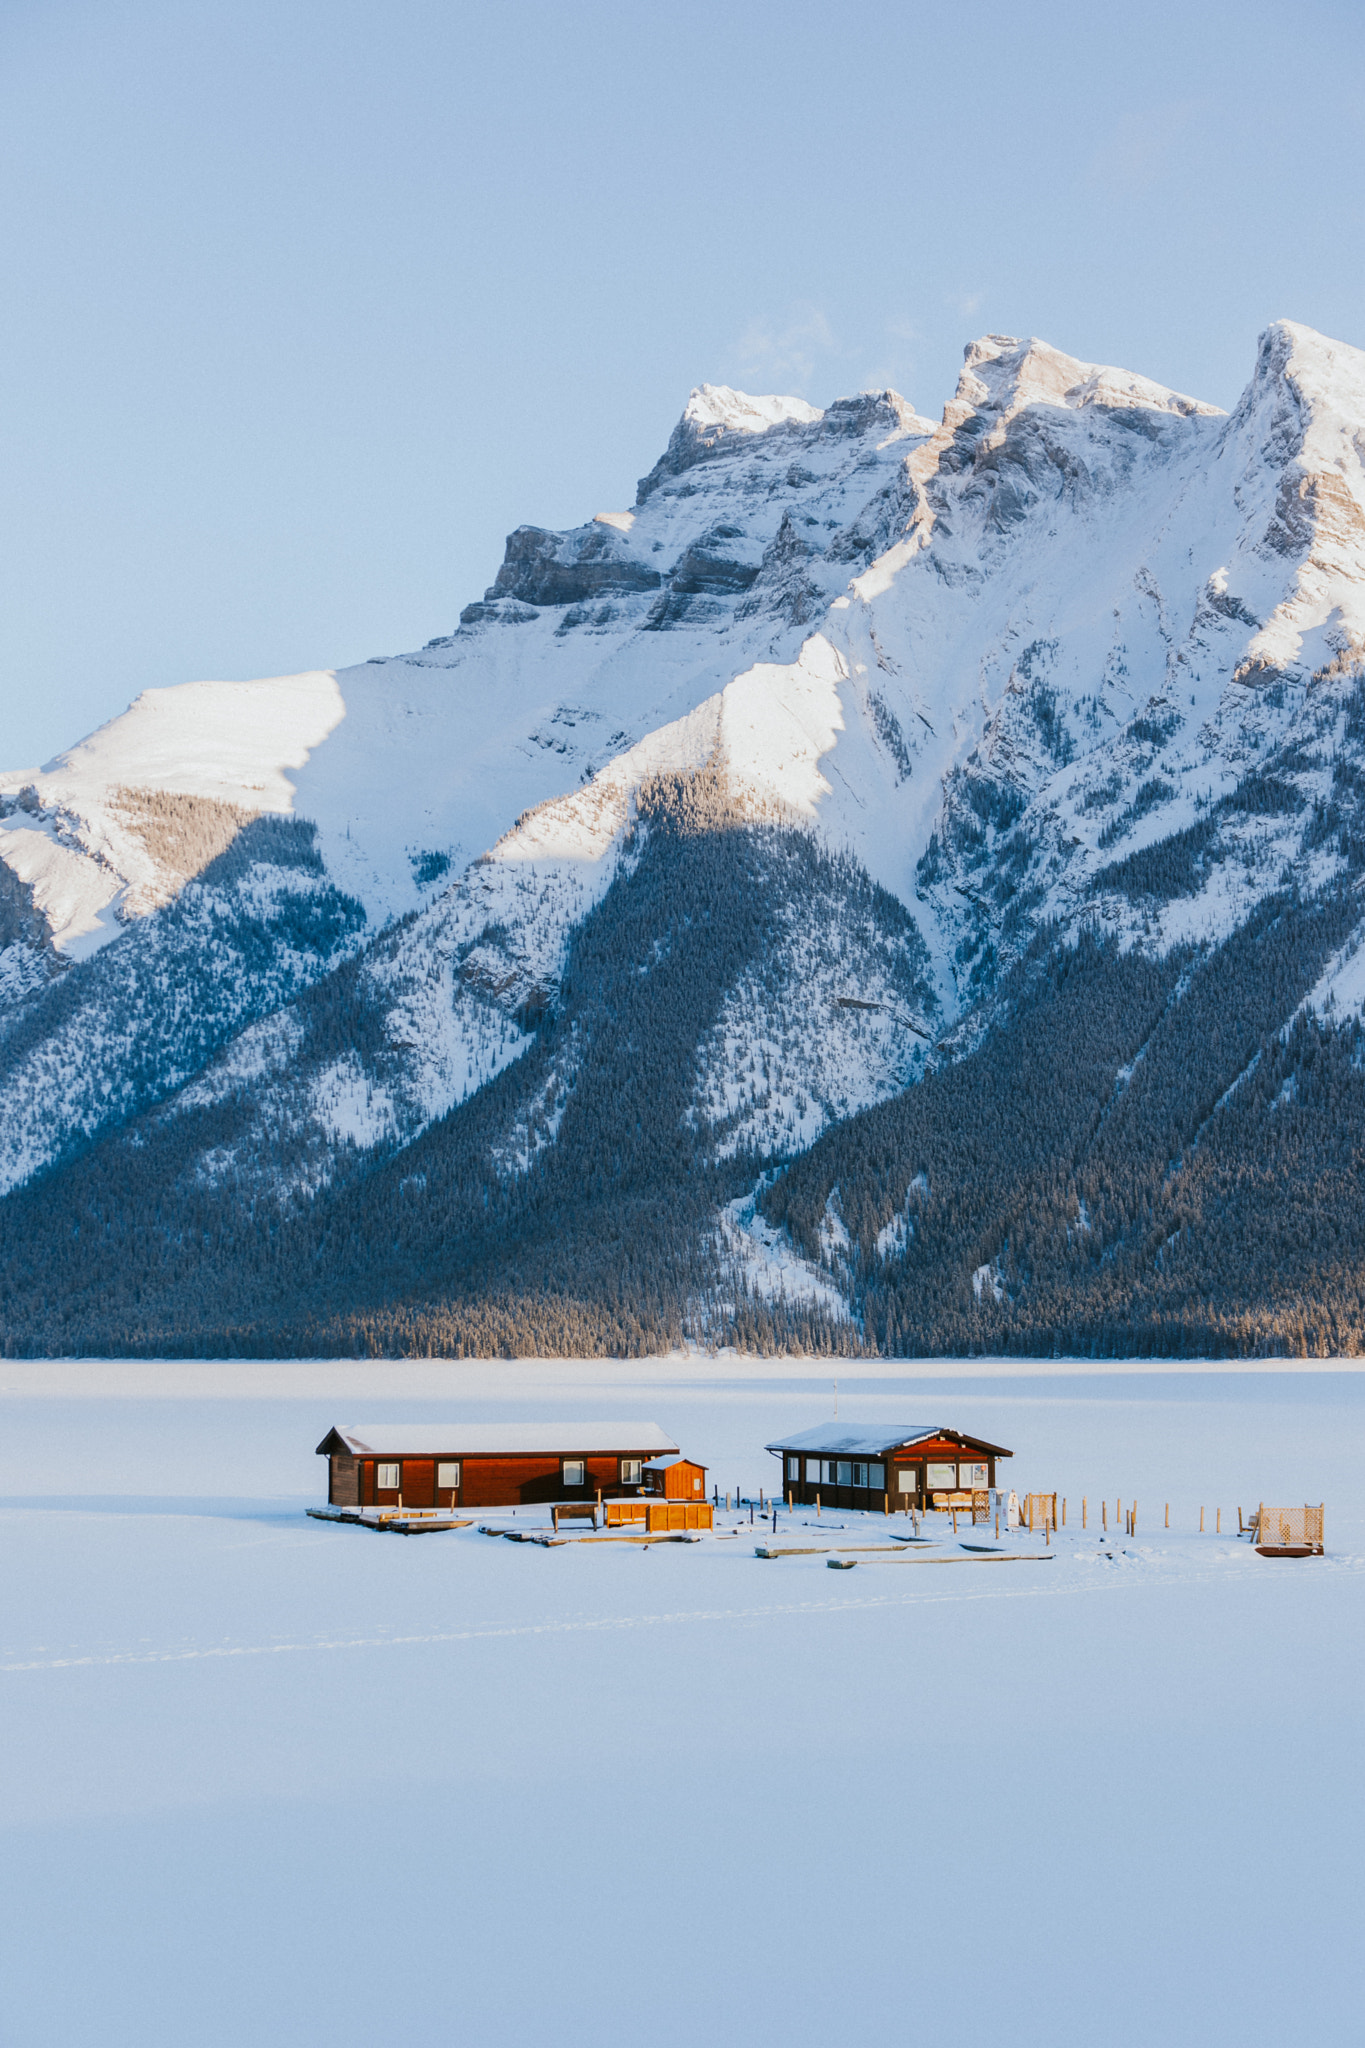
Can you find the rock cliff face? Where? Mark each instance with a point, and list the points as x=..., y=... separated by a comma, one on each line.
x=1080, y=658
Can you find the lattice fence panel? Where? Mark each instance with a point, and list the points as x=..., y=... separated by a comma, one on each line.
x=1290, y=1528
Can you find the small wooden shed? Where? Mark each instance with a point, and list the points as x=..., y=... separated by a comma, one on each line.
x=487, y=1464
x=873, y=1464
x=675, y=1479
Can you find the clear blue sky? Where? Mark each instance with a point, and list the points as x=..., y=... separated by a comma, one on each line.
x=306, y=303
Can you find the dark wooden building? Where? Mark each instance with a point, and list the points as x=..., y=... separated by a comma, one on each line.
x=675, y=1479
x=487, y=1464
x=868, y=1464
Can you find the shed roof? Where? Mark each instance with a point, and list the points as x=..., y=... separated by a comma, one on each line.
x=873, y=1439
x=666, y=1464
x=495, y=1439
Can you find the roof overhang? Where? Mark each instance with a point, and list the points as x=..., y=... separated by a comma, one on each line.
x=498, y=1440
x=877, y=1441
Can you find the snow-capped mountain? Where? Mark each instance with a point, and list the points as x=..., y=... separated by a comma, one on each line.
x=1079, y=655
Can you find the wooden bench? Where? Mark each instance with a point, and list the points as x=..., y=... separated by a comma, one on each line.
x=574, y=1511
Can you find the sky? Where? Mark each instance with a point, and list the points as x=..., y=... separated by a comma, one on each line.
x=308, y=303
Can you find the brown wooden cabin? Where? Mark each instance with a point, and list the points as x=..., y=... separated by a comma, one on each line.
x=675, y=1479
x=486, y=1464
x=863, y=1465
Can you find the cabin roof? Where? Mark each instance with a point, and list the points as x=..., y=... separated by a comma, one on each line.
x=664, y=1464
x=495, y=1439
x=874, y=1439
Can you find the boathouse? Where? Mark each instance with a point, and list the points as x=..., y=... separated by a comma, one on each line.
x=877, y=1465
x=487, y=1464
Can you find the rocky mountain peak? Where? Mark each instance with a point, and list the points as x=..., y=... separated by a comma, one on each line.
x=714, y=419
x=1002, y=375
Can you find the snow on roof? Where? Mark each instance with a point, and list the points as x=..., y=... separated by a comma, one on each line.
x=869, y=1439
x=493, y=1439
x=664, y=1464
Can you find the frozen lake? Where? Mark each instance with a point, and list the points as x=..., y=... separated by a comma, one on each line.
x=269, y=1780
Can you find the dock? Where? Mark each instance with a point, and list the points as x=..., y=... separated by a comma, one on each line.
x=397, y=1521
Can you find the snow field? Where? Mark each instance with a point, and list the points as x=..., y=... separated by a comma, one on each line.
x=270, y=1778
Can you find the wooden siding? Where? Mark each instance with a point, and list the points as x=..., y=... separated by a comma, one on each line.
x=658, y=1516
x=492, y=1482
x=343, y=1483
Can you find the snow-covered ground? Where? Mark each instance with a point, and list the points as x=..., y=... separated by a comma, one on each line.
x=268, y=1779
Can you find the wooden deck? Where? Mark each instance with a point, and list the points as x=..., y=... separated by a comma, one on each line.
x=397, y=1521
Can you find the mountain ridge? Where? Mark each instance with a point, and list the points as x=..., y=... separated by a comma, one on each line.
x=1079, y=659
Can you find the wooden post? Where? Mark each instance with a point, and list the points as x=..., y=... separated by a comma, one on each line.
x=1083, y=1504
x=1030, y=1514
x=554, y=1518
x=1218, y=1524
x=1201, y=1521
x=1104, y=1516
x=997, y=1525
x=789, y=1500
x=1047, y=1534
x=1135, y=1518
x=1064, y=1511
x=954, y=1521
x=1168, y=1514
x=817, y=1503
x=886, y=1503
x=727, y=1503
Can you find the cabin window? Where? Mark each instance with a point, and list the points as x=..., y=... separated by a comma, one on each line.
x=696, y=1482
x=907, y=1479
x=973, y=1475
x=794, y=1471
x=845, y=1470
x=631, y=1471
x=388, y=1478
x=876, y=1478
x=941, y=1478
x=575, y=1472
x=448, y=1474
x=816, y=1471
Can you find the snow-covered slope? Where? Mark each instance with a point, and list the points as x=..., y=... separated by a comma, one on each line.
x=1083, y=648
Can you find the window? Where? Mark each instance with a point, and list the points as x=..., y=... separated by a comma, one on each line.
x=876, y=1478
x=941, y=1478
x=448, y=1474
x=973, y=1475
x=794, y=1471
x=389, y=1478
x=845, y=1469
x=696, y=1482
x=817, y=1472
x=907, y=1479
x=575, y=1472
x=632, y=1470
